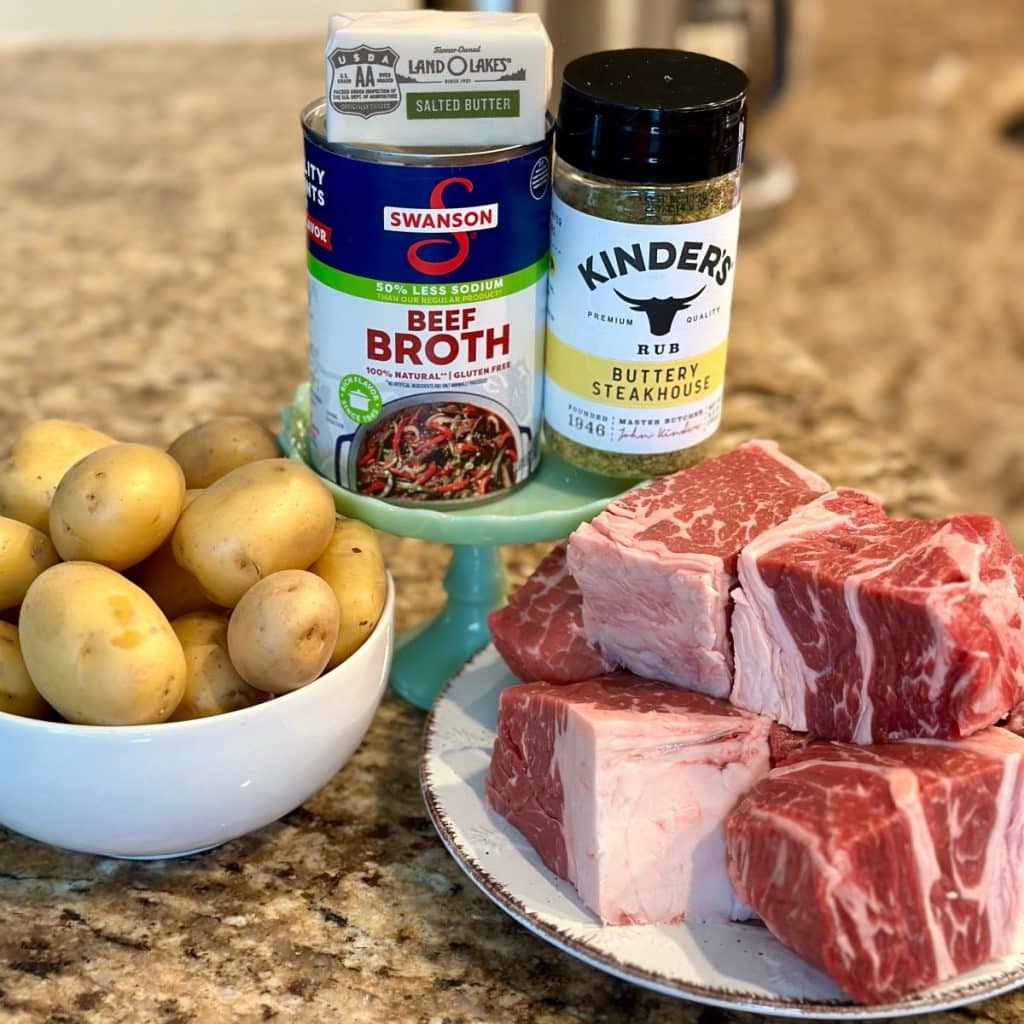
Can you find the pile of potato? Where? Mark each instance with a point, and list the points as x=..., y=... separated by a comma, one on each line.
x=140, y=586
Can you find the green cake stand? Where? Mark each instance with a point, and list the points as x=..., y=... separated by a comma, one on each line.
x=550, y=506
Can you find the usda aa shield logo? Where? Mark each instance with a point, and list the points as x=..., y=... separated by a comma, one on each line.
x=364, y=81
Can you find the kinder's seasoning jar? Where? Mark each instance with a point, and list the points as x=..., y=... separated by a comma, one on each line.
x=427, y=291
x=644, y=224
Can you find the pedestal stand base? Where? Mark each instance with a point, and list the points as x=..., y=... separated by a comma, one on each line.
x=428, y=656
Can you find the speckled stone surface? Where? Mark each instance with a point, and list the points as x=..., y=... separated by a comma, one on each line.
x=152, y=254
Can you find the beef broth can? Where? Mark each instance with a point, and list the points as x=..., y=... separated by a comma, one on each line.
x=427, y=296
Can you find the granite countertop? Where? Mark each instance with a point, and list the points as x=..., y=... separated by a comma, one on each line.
x=152, y=251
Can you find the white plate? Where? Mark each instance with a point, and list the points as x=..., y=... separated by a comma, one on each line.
x=736, y=966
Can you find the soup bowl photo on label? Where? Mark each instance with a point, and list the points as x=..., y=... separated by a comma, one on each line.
x=439, y=449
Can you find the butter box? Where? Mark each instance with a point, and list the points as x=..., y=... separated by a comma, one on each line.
x=437, y=78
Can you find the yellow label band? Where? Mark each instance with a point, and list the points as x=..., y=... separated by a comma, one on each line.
x=627, y=384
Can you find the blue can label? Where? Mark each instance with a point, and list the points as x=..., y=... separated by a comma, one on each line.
x=427, y=293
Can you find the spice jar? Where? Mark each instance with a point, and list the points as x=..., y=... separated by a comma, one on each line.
x=644, y=224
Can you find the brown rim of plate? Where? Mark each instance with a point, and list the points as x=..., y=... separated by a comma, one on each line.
x=730, y=999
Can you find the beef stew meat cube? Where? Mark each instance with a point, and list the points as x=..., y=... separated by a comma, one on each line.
x=851, y=625
x=657, y=566
x=539, y=632
x=622, y=786
x=891, y=867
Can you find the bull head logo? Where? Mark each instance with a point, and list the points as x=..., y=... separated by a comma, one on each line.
x=660, y=312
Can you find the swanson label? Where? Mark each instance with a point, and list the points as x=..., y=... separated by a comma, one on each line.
x=638, y=324
x=427, y=288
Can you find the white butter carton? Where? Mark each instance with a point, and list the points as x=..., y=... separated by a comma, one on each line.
x=437, y=78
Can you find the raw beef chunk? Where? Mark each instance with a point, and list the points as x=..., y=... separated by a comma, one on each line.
x=539, y=632
x=656, y=567
x=855, y=626
x=621, y=785
x=891, y=867
x=783, y=743
x=1015, y=720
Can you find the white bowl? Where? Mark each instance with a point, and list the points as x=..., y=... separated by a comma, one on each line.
x=148, y=791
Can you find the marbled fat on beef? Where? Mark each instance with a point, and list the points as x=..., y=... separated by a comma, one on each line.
x=657, y=566
x=622, y=786
x=891, y=867
x=539, y=632
x=854, y=626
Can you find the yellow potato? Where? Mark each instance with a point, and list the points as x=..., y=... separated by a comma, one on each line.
x=43, y=453
x=17, y=694
x=175, y=591
x=259, y=519
x=213, y=686
x=354, y=567
x=212, y=449
x=117, y=505
x=98, y=648
x=283, y=631
x=24, y=554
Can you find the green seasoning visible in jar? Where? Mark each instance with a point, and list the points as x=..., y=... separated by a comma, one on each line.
x=644, y=224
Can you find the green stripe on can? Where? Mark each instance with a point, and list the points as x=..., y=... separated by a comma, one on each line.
x=406, y=293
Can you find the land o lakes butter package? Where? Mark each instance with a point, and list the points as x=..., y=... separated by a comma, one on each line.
x=437, y=78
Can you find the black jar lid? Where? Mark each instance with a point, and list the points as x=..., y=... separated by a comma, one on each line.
x=655, y=116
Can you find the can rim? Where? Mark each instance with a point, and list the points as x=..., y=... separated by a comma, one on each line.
x=415, y=154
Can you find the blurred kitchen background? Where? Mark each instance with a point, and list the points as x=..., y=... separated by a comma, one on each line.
x=151, y=202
